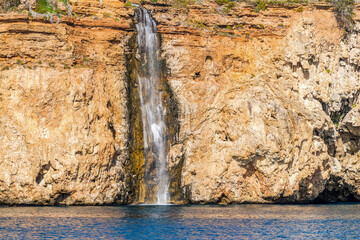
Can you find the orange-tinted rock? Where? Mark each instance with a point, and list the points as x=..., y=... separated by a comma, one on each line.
x=267, y=104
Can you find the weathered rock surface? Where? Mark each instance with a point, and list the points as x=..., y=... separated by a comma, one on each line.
x=268, y=105
x=263, y=118
x=64, y=128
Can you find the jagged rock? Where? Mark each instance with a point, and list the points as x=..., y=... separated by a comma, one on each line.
x=265, y=101
x=263, y=124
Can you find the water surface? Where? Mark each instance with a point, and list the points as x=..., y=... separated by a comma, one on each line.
x=332, y=221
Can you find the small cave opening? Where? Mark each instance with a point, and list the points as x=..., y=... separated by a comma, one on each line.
x=208, y=59
x=196, y=75
x=60, y=197
x=43, y=170
x=336, y=190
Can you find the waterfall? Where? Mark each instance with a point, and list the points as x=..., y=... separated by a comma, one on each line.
x=152, y=110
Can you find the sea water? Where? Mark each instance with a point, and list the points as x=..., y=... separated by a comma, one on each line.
x=328, y=221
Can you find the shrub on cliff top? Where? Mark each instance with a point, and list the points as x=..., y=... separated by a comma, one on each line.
x=260, y=6
x=48, y=8
x=43, y=6
x=344, y=13
x=225, y=5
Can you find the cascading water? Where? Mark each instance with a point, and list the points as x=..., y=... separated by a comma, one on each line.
x=152, y=110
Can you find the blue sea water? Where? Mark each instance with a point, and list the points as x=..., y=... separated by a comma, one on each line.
x=323, y=221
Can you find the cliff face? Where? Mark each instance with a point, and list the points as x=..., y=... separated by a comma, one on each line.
x=255, y=112
x=63, y=104
x=266, y=105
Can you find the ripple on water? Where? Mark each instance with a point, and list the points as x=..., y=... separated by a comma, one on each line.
x=341, y=221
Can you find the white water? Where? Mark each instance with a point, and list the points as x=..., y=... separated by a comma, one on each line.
x=153, y=117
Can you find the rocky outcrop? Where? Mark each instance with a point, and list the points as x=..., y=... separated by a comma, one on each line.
x=64, y=127
x=264, y=105
x=263, y=114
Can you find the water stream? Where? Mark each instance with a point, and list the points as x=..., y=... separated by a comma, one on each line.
x=152, y=110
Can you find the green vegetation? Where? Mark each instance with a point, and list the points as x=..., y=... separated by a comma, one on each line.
x=328, y=71
x=106, y=15
x=260, y=6
x=128, y=4
x=47, y=9
x=196, y=24
x=224, y=34
x=285, y=2
x=300, y=9
x=43, y=6
x=19, y=62
x=344, y=13
x=239, y=26
x=222, y=2
x=182, y=3
x=354, y=106
x=5, y=68
x=336, y=118
x=227, y=5
x=230, y=5
x=80, y=66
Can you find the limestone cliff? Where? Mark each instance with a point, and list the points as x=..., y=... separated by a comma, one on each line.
x=264, y=104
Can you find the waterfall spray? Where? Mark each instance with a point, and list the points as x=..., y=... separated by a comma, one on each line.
x=152, y=110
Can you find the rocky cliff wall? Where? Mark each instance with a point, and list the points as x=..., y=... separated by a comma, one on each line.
x=64, y=128
x=266, y=105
